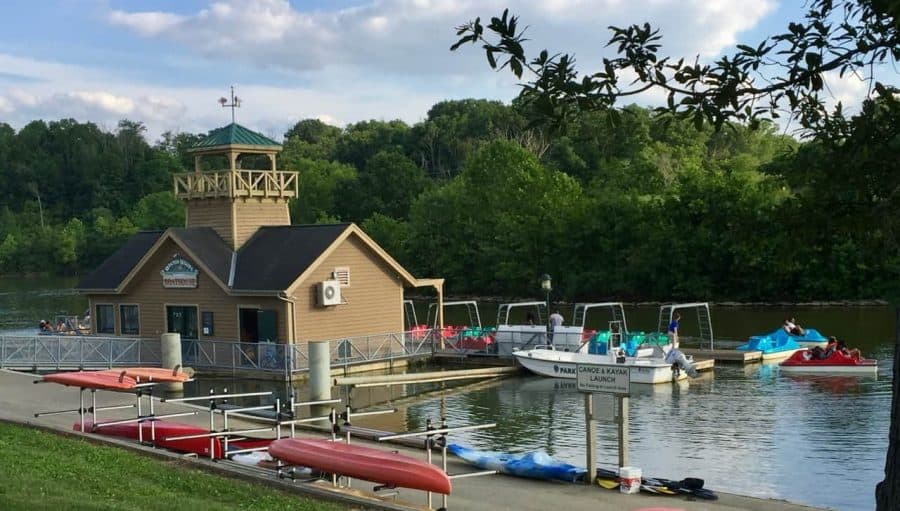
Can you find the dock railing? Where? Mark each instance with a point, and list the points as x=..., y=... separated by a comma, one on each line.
x=69, y=352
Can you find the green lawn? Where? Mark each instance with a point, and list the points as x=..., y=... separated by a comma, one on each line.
x=40, y=470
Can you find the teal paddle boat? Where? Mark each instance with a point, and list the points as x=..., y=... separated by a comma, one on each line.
x=775, y=346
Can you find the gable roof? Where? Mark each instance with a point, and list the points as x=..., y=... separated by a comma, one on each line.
x=117, y=266
x=275, y=256
x=206, y=245
x=275, y=259
x=234, y=135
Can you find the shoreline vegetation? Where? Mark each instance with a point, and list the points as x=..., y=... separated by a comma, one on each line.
x=644, y=209
x=45, y=470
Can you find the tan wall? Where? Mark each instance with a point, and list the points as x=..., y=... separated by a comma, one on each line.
x=215, y=213
x=147, y=291
x=373, y=301
x=252, y=214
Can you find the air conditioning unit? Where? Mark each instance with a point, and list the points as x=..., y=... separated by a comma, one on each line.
x=329, y=293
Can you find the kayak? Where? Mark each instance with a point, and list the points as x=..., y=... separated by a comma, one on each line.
x=164, y=429
x=836, y=363
x=533, y=465
x=356, y=461
x=105, y=380
x=117, y=379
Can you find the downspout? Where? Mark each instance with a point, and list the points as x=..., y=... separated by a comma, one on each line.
x=289, y=360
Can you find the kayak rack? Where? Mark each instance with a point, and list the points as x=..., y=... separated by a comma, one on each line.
x=437, y=437
x=227, y=434
x=139, y=390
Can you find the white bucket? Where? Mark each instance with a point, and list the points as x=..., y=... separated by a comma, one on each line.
x=629, y=479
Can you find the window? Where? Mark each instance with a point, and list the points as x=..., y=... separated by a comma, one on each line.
x=207, y=323
x=342, y=275
x=106, y=319
x=129, y=319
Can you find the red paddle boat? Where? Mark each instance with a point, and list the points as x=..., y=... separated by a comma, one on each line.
x=837, y=362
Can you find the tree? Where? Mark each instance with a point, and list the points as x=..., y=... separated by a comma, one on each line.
x=313, y=139
x=784, y=74
x=158, y=211
x=388, y=184
x=843, y=36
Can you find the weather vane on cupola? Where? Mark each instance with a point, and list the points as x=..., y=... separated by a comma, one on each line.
x=235, y=103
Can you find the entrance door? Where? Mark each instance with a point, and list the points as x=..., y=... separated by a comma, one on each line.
x=258, y=325
x=182, y=319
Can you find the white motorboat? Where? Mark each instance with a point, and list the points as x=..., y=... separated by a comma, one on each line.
x=651, y=365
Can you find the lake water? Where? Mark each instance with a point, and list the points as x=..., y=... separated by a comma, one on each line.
x=817, y=440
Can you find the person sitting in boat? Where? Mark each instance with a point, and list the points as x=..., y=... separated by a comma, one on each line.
x=815, y=353
x=791, y=326
x=830, y=347
x=853, y=353
x=45, y=326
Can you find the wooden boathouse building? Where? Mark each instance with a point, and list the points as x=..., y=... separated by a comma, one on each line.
x=239, y=271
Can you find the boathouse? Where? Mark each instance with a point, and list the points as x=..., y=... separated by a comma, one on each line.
x=239, y=271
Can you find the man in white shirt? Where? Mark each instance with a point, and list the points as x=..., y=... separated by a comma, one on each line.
x=556, y=320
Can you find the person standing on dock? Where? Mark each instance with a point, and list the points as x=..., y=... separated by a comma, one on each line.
x=672, y=332
x=556, y=321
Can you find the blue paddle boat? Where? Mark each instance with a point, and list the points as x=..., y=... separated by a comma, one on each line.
x=775, y=346
x=811, y=337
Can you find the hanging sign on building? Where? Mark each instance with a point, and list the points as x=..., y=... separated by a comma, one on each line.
x=179, y=273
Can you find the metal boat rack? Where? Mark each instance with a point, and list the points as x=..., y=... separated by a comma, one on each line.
x=140, y=390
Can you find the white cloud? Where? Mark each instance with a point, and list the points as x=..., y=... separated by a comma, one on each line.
x=145, y=23
x=382, y=59
x=413, y=36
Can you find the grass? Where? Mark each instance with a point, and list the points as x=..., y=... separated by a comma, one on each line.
x=44, y=471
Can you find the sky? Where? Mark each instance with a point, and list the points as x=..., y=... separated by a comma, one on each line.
x=167, y=62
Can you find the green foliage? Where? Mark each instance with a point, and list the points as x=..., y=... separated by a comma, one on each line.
x=627, y=204
x=752, y=84
x=319, y=184
x=388, y=184
x=158, y=211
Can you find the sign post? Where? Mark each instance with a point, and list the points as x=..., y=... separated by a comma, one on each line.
x=611, y=380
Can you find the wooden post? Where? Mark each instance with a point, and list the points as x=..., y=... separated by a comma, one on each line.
x=591, y=428
x=623, y=431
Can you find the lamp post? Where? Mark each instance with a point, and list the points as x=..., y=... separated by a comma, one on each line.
x=547, y=286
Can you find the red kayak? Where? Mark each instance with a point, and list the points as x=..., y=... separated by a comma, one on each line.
x=385, y=467
x=836, y=363
x=117, y=379
x=164, y=429
x=106, y=380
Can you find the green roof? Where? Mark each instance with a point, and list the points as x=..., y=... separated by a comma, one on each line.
x=235, y=134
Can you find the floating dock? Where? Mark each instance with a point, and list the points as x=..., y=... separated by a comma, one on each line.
x=733, y=356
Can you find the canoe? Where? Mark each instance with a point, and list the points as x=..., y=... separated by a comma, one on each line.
x=533, y=465
x=836, y=363
x=153, y=374
x=164, y=429
x=385, y=467
x=105, y=380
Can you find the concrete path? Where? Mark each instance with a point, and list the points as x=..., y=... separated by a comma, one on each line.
x=20, y=399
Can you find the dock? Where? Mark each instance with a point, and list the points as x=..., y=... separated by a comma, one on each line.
x=732, y=356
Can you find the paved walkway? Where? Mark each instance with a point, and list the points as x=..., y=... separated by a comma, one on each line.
x=20, y=399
